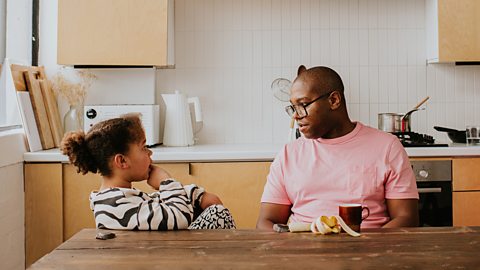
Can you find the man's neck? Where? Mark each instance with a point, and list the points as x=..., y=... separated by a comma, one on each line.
x=341, y=130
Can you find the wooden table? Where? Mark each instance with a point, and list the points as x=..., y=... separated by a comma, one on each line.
x=413, y=248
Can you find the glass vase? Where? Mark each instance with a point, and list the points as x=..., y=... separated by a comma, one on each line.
x=72, y=121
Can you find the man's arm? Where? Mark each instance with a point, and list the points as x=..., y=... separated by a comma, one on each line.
x=271, y=213
x=403, y=213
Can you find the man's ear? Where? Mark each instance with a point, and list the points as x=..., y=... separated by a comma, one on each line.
x=120, y=161
x=301, y=69
x=335, y=100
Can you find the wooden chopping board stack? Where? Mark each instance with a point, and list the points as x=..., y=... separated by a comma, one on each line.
x=47, y=117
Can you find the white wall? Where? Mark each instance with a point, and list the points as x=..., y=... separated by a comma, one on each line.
x=229, y=51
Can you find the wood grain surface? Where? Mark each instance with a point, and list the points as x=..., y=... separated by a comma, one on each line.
x=34, y=80
x=18, y=79
x=406, y=248
x=53, y=114
x=39, y=109
x=43, y=209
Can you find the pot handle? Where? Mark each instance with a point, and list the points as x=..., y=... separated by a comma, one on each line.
x=420, y=103
x=444, y=129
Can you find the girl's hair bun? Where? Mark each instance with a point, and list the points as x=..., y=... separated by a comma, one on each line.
x=74, y=146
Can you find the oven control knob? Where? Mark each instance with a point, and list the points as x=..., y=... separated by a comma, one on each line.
x=423, y=174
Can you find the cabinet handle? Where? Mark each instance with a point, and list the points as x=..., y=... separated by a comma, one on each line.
x=189, y=168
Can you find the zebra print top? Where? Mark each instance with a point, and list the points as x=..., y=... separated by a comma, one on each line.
x=170, y=208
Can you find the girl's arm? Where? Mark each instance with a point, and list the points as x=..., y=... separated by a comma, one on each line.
x=156, y=176
x=169, y=209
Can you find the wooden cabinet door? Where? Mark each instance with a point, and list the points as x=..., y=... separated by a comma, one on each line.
x=43, y=209
x=453, y=30
x=76, y=205
x=77, y=189
x=239, y=185
x=115, y=32
x=466, y=195
x=465, y=208
x=466, y=174
x=458, y=30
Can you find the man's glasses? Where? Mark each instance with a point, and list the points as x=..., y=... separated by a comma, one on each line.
x=301, y=109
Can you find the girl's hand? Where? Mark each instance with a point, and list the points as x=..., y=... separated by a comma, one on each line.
x=156, y=176
x=209, y=199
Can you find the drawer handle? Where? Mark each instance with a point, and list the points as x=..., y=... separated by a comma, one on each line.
x=430, y=190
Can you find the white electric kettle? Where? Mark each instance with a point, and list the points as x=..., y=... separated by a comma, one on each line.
x=178, y=122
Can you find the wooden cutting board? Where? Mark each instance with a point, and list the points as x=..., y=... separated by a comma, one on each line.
x=18, y=78
x=51, y=106
x=39, y=109
x=52, y=111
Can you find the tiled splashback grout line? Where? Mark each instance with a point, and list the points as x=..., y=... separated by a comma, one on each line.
x=377, y=46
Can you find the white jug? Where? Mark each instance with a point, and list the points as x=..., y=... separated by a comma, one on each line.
x=178, y=124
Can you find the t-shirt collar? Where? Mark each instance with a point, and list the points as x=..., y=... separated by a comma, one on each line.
x=344, y=138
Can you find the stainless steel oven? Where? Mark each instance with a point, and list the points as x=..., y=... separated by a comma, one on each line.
x=434, y=183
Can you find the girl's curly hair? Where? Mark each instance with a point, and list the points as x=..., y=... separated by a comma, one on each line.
x=92, y=152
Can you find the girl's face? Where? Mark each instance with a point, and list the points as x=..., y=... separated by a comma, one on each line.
x=140, y=161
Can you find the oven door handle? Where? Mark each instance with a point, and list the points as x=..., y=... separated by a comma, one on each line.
x=430, y=190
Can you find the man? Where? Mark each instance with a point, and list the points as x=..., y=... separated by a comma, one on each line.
x=336, y=161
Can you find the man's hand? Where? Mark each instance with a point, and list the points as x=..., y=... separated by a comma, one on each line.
x=209, y=199
x=403, y=213
x=271, y=213
x=156, y=176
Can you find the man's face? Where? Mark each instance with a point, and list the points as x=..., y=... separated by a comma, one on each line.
x=316, y=123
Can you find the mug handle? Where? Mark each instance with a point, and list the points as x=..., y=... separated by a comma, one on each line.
x=368, y=212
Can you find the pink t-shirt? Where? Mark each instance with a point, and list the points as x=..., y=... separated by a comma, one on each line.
x=365, y=166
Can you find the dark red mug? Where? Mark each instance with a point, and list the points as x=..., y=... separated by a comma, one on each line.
x=352, y=214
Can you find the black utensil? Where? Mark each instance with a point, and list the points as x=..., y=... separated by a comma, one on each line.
x=457, y=136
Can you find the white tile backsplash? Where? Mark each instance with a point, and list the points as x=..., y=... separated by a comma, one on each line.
x=228, y=53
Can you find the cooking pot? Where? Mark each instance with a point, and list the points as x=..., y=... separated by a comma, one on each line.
x=457, y=136
x=395, y=122
x=391, y=122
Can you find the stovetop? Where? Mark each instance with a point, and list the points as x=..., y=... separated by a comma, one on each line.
x=413, y=139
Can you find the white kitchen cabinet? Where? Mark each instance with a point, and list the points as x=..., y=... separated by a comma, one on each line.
x=453, y=30
x=115, y=32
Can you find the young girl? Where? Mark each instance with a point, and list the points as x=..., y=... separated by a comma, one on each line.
x=116, y=149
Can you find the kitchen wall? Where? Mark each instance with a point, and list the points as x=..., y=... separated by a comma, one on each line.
x=229, y=51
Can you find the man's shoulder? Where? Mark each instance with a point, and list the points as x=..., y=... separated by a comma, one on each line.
x=375, y=134
x=291, y=148
x=296, y=144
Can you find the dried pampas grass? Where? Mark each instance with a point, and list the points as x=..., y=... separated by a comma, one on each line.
x=73, y=93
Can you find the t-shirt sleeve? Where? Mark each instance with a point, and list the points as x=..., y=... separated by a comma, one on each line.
x=274, y=190
x=401, y=183
x=194, y=194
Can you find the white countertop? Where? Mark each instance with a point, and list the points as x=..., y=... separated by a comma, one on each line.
x=246, y=152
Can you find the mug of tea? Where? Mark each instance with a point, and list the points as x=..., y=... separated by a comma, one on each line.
x=352, y=214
